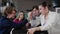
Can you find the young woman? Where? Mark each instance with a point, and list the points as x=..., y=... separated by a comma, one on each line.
x=48, y=19
x=19, y=18
x=6, y=24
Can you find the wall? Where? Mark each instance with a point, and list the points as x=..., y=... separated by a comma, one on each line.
x=27, y=4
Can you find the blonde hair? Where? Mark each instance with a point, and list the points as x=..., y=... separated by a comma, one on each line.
x=18, y=16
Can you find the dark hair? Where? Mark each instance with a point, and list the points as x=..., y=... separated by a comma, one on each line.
x=22, y=11
x=44, y=4
x=9, y=10
x=36, y=7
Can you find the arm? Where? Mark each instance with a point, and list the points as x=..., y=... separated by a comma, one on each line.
x=7, y=24
x=50, y=23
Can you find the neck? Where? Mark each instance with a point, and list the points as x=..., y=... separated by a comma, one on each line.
x=46, y=14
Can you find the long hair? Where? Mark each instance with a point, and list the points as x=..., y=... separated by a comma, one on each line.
x=18, y=16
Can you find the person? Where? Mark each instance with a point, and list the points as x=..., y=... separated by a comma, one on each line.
x=6, y=24
x=19, y=18
x=48, y=20
x=34, y=17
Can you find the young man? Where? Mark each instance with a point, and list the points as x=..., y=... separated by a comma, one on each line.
x=48, y=19
x=34, y=17
x=6, y=24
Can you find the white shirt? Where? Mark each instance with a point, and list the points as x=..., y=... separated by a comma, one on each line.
x=36, y=22
x=49, y=22
x=33, y=23
x=56, y=28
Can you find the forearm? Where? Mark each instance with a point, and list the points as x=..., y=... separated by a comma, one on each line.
x=37, y=29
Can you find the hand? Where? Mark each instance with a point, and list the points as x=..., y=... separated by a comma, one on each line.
x=28, y=24
x=31, y=31
x=30, y=15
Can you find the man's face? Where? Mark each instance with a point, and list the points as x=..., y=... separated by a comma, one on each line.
x=42, y=9
x=35, y=12
x=13, y=14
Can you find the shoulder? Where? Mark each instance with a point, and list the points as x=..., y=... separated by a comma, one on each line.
x=25, y=20
x=3, y=19
x=52, y=13
x=52, y=16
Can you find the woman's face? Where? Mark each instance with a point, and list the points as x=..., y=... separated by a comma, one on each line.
x=42, y=9
x=21, y=15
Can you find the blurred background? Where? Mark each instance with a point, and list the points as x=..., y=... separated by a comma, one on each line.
x=27, y=4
